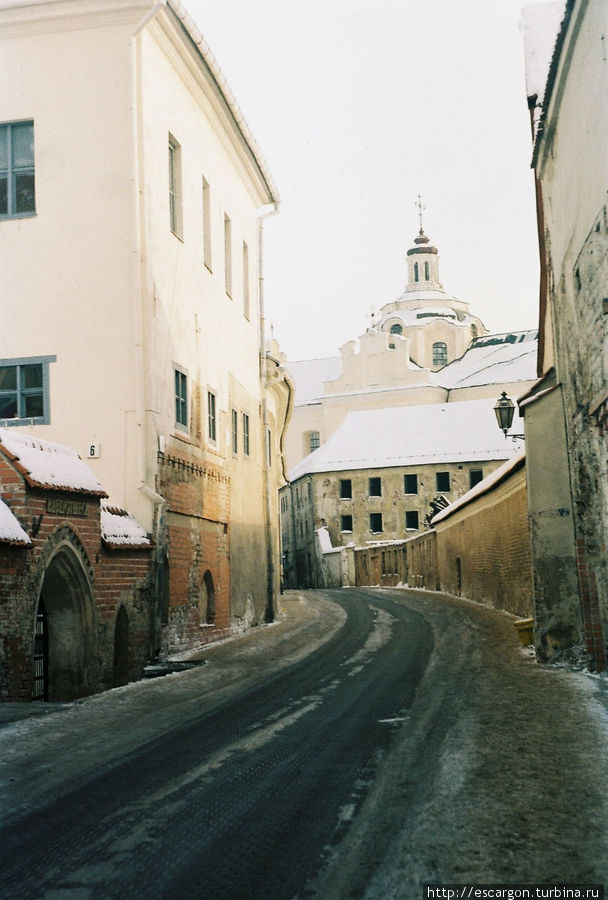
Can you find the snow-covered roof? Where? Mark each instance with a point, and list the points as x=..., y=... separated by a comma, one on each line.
x=482, y=487
x=411, y=435
x=540, y=26
x=309, y=376
x=11, y=531
x=48, y=465
x=492, y=359
x=120, y=531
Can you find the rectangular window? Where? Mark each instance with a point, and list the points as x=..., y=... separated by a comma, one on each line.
x=375, y=523
x=443, y=481
x=181, y=399
x=346, y=523
x=314, y=441
x=235, y=431
x=475, y=476
x=246, y=295
x=211, y=417
x=175, y=187
x=207, y=224
x=411, y=520
x=17, y=194
x=228, y=254
x=410, y=484
x=245, y=434
x=346, y=489
x=375, y=487
x=24, y=391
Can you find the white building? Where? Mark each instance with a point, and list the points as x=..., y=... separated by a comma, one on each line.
x=131, y=202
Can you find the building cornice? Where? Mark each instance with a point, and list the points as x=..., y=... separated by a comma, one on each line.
x=27, y=17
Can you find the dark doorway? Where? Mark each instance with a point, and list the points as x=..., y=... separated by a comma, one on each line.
x=67, y=605
x=121, y=649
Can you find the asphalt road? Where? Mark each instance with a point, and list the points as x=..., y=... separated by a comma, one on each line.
x=247, y=799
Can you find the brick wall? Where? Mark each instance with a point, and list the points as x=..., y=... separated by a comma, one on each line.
x=483, y=549
x=197, y=543
x=85, y=585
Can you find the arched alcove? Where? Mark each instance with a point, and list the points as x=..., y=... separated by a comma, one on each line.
x=208, y=599
x=65, y=611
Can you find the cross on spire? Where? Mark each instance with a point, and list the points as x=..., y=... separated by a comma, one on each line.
x=421, y=207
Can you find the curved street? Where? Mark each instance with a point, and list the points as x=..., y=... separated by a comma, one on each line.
x=371, y=741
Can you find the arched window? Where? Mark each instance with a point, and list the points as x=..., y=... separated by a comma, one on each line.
x=440, y=354
x=416, y=272
x=396, y=328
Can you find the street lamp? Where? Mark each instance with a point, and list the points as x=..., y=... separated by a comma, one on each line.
x=504, y=409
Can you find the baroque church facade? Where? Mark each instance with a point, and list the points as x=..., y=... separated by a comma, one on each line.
x=401, y=421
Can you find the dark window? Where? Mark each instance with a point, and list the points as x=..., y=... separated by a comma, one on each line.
x=314, y=441
x=235, y=431
x=443, y=481
x=375, y=487
x=410, y=484
x=416, y=273
x=411, y=519
x=211, y=417
x=246, y=434
x=427, y=272
x=475, y=476
x=375, y=523
x=24, y=391
x=346, y=523
x=17, y=196
x=440, y=353
x=397, y=328
x=181, y=398
x=346, y=489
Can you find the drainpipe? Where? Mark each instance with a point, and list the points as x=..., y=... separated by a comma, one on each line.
x=270, y=567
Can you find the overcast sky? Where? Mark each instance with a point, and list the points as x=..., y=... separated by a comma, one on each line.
x=360, y=105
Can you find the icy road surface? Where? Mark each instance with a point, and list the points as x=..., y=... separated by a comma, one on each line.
x=369, y=742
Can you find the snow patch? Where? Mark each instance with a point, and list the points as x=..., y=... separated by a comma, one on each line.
x=48, y=464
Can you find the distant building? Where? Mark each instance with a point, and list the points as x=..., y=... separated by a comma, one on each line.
x=424, y=347
x=566, y=411
x=382, y=475
x=132, y=196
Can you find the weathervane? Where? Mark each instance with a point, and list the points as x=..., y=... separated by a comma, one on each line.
x=421, y=207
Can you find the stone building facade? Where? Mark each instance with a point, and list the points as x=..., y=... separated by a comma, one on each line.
x=382, y=475
x=566, y=412
x=132, y=247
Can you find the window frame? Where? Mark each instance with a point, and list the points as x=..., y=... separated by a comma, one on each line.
x=235, y=431
x=228, y=254
x=443, y=490
x=212, y=416
x=475, y=476
x=181, y=400
x=207, y=245
x=246, y=434
x=343, y=529
x=412, y=512
x=377, y=516
x=410, y=475
x=246, y=284
x=374, y=478
x=440, y=346
x=314, y=437
x=176, y=219
x=12, y=172
x=341, y=489
x=21, y=392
